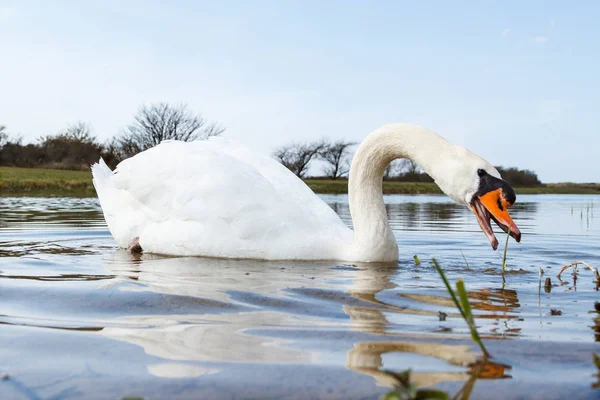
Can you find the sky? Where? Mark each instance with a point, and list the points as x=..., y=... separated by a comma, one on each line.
x=515, y=82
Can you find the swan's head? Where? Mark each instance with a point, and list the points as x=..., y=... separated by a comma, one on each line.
x=491, y=201
x=473, y=181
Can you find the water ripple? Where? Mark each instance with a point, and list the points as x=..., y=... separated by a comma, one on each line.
x=69, y=295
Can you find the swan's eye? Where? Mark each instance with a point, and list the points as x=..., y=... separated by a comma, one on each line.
x=481, y=172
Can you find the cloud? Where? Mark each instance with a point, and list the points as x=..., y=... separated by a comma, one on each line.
x=506, y=32
x=540, y=39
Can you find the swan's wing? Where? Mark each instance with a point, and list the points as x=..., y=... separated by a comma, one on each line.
x=217, y=198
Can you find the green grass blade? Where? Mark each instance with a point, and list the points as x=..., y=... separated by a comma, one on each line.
x=393, y=395
x=465, y=392
x=417, y=262
x=450, y=290
x=465, y=258
x=463, y=306
x=505, y=250
x=430, y=394
x=464, y=299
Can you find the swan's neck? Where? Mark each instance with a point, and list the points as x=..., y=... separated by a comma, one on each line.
x=373, y=237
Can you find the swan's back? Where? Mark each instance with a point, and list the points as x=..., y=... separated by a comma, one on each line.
x=216, y=198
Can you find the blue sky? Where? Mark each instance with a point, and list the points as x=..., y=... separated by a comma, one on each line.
x=515, y=82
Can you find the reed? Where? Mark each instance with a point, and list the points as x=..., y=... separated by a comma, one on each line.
x=505, y=251
x=465, y=258
x=462, y=304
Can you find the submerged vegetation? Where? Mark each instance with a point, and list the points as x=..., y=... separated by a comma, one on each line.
x=575, y=266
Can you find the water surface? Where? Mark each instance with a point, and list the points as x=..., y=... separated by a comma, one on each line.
x=80, y=318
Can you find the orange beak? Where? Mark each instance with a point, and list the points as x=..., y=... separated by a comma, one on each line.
x=493, y=205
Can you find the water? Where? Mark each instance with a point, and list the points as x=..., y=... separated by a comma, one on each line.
x=80, y=318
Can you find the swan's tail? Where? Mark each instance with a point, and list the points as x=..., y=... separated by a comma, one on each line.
x=121, y=212
x=105, y=189
x=101, y=174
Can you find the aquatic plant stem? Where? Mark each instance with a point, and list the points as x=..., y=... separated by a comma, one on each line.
x=575, y=264
x=596, y=359
x=505, y=250
x=449, y=288
x=463, y=306
x=465, y=258
x=540, y=292
x=462, y=292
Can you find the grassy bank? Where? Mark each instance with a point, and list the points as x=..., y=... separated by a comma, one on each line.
x=391, y=187
x=51, y=182
x=45, y=182
x=561, y=188
x=341, y=187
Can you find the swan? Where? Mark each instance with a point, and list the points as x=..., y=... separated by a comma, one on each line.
x=217, y=198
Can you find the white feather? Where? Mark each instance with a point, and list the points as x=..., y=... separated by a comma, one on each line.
x=216, y=198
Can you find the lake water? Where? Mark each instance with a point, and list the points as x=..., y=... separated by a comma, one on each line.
x=80, y=318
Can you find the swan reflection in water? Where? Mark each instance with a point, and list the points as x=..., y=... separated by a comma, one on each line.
x=206, y=321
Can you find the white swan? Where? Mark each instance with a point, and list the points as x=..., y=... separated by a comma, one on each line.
x=216, y=198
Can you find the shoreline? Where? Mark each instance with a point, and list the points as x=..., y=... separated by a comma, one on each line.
x=38, y=182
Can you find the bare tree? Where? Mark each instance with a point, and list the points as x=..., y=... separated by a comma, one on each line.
x=158, y=122
x=79, y=131
x=393, y=170
x=297, y=156
x=336, y=157
x=409, y=167
x=3, y=136
x=72, y=148
x=402, y=167
x=119, y=148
